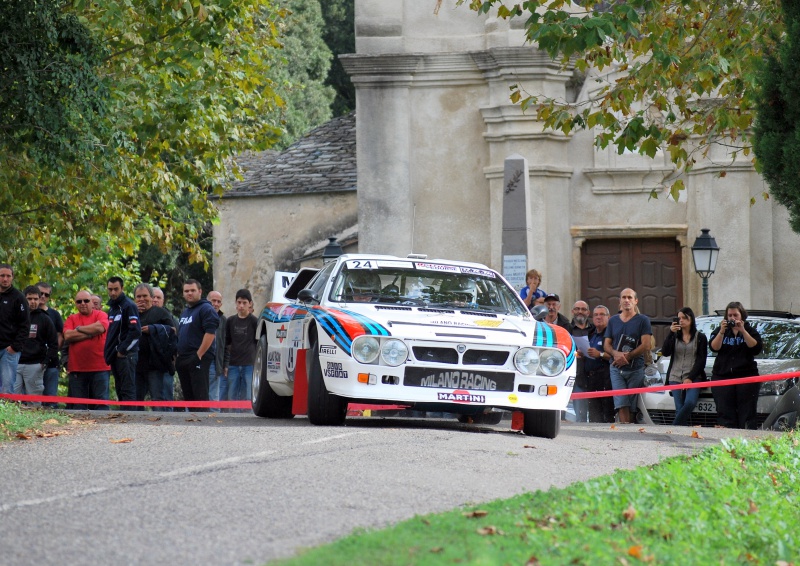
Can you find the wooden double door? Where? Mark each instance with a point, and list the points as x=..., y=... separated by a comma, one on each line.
x=651, y=267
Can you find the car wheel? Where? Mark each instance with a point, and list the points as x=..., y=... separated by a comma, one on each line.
x=266, y=403
x=323, y=408
x=540, y=422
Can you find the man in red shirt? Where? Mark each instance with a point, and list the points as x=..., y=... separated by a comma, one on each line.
x=85, y=332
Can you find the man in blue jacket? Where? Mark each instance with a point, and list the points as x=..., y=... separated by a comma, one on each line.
x=196, y=332
x=122, y=341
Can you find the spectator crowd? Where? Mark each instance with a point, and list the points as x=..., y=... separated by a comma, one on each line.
x=618, y=348
x=135, y=340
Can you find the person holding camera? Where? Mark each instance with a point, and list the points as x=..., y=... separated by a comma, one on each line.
x=687, y=350
x=737, y=344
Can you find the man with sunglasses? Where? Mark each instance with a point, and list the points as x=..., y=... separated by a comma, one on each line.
x=52, y=370
x=85, y=332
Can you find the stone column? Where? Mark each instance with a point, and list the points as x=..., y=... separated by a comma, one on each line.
x=517, y=232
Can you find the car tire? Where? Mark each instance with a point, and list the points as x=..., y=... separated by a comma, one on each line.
x=540, y=422
x=323, y=407
x=266, y=403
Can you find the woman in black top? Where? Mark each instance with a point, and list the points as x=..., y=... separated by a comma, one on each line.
x=687, y=349
x=737, y=344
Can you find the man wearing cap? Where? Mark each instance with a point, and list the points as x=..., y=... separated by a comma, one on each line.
x=553, y=304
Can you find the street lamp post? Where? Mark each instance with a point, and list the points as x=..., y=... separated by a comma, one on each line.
x=705, y=252
x=332, y=250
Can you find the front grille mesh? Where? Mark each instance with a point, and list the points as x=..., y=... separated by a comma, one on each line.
x=437, y=355
x=485, y=358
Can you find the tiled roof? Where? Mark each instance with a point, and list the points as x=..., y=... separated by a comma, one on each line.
x=323, y=160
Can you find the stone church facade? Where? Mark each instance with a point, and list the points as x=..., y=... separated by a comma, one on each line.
x=435, y=126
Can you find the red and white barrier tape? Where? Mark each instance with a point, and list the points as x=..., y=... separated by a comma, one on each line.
x=699, y=384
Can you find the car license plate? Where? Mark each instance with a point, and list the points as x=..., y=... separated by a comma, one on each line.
x=705, y=407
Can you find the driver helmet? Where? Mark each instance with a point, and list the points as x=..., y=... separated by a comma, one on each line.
x=464, y=288
x=362, y=282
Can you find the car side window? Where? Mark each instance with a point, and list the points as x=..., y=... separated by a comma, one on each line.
x=318, y=283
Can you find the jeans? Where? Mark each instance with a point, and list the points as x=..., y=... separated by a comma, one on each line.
x=89, y=385
x=169, y=390
x=685, y=401
x=152, y=382
x=30, y=380
x=240, y=383
x=8, y=370
x=580, y=406
x=214, y=385
x=51, y=384
x=124, y=370
x=627, y=377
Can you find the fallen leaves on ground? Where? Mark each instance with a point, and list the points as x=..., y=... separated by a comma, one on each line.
x=629, y=514
x=476, y=514
x=529, y=446
x=695, y=434
x=489, y=531
x=642, y=430
x=120, y=440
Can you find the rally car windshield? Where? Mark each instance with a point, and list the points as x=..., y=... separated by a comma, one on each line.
x=451, y=288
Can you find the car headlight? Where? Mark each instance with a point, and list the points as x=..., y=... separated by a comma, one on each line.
x=366, y=349
x=778, y=387
x=552, y=362
x=526, y=361
x=394, y=352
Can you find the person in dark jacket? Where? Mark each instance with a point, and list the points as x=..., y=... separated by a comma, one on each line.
x=156, y=348
x=196, y=332
x=14, y=327
x=687, y=350
x=122, y=341
x=40, y=348
x=737, y=344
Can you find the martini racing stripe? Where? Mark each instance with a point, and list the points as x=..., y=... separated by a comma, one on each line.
x=272, y=311
x=547, y=336
x=344, y=326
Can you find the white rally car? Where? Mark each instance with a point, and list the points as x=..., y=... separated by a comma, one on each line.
x=433, y=335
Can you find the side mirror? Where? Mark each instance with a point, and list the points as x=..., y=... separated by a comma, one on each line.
x=539, y=312
x=307, y=296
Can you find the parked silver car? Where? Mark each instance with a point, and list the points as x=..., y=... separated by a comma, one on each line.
x=778, y=401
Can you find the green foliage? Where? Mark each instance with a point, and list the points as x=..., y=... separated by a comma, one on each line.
x=14, y=420
x=776, y=137
x=299, y=78
x=51, y=97
x=735, y=503
x=183, y=86
x=662, y=74
x=340, y=35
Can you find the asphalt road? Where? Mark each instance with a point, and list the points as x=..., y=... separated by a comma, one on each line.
x=234, y=489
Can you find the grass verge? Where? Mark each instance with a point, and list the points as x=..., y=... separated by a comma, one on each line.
x=16, y=420
x=734, y=503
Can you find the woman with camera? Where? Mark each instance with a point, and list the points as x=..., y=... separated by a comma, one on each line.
x=737, y=344
x=687, y=350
